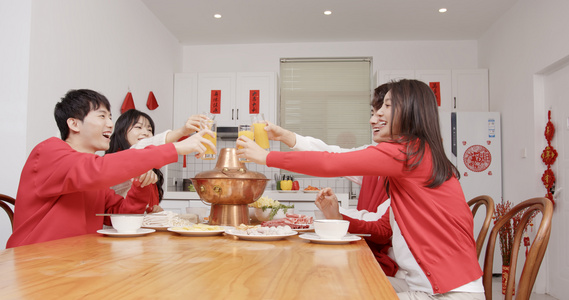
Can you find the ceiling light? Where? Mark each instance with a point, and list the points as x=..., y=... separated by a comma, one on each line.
x=217, y=16
x=327, y=12
x=442, y=10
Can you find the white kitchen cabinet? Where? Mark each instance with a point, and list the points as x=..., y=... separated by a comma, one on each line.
x=470, y=90
x=459, y=90
x=234, y=97
x=262, y=85
x=185, y=97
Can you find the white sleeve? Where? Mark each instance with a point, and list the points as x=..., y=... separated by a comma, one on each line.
x=366, y=215
x=157, y=140
x=306, y=143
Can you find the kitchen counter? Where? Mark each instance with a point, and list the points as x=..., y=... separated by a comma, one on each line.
x=165, y=265
x=299, y=196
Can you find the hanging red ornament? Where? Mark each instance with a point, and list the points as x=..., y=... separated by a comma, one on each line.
x=548, y=156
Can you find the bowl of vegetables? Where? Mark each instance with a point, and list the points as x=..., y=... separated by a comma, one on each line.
x=267, y=209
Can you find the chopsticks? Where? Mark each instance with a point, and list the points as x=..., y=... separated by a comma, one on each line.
x=108, y=215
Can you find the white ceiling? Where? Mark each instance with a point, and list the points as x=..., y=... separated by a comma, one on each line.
x=299, y=21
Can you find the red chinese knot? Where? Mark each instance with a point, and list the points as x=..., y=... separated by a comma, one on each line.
x=548, y=156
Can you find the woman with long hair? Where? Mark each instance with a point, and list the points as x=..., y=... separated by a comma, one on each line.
x=429, y=223
x=135, y=129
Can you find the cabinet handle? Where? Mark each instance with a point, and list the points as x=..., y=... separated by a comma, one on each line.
x=232, y=111
x=238, y=114
x=455, y=102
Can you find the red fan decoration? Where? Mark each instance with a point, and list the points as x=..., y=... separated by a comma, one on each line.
x=128, y=103
x=151, y=103
x=548, y=156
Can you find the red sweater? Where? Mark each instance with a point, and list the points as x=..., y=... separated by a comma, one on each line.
x=61, y=189
x=372, y=194
x=437, y=223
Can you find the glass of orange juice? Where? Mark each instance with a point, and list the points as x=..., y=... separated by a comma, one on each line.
x=210, y=124
x=261, y=136
x=247, y=131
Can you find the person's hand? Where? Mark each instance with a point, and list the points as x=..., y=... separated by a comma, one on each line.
x=327, y=202
x=277, y=133
x=145, y=179
x=195, y=143
x=251, y=151
x=193, y=124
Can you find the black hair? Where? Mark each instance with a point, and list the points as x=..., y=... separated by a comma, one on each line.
x=77, y=104
x=414, y=108
x=119, y=140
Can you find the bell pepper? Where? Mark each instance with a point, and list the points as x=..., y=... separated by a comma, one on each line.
x=286, y=185
x=295, y=185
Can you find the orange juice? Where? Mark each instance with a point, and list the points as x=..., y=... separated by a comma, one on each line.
x=209, y=154
x=247, y=133
x=261, y=136
x=211, y=125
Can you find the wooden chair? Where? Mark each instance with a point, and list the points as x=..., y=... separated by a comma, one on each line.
x=4, y=199
x=535, y=254
x=475, y=203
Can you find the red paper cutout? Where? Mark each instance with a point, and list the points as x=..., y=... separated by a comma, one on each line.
x=128, y=103
x=436, y=87
x=151, y=103
x=215, y=104
x=254, y=101
x=477, y=158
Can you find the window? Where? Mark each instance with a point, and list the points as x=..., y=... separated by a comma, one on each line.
x=327, y=98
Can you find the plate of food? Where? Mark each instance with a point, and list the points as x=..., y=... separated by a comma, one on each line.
x=198, y=230
x=288, y=191
x=311, y=189
x=261, y=233
x=297, y=222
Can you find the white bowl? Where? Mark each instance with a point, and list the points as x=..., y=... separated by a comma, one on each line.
x=331, y=229
x=266, y=215
x=125, y=223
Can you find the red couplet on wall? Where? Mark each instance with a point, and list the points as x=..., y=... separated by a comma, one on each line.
x=254, y=102
x=436, y=87
x=215, y=103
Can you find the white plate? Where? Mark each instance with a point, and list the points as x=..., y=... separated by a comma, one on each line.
x=115, y=233
x=313, y=237
x=157, y=228
x=310, y=228
x=310, y=191
x=196, y=232
x=245, y=236
x=287, y=191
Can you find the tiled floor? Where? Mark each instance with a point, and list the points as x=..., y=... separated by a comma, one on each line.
x=497, y=291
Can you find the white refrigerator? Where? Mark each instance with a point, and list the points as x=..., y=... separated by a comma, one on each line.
x=472, y=142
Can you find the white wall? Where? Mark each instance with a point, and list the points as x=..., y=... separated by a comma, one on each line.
x=14, y=61
x=526, y=40
x=107, y=46
x=386, y=55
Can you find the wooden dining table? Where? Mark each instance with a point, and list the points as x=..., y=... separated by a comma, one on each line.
x=165, y=265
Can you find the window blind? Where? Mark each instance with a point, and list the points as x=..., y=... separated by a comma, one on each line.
x=327, y=98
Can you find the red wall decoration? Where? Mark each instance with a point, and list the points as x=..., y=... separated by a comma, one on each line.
x=215, y=104
x=254, y=101
x=548, y=156
x=436, y=87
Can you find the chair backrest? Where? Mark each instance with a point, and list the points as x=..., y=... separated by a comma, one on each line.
x=475, y=203
x=4, y=199
x=535, y=254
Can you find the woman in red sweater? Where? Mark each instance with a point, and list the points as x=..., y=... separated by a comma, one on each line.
x=429, y=223
x=135, y=130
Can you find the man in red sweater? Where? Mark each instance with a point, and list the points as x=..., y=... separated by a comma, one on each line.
x=64, y=183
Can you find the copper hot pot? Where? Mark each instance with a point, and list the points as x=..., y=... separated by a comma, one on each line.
x=229, y=187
